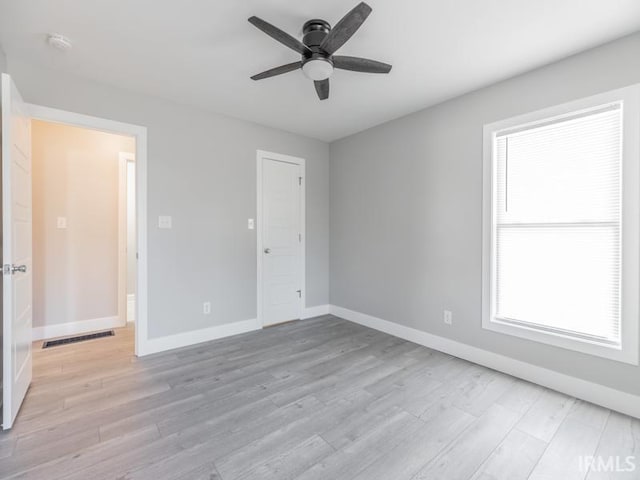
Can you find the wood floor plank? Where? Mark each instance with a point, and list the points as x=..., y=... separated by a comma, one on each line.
x=225, y=442
x=33, y=450
x=462, y=458
x=618, y=450
x=290, y=463
x=288, y=436
x=514, y=459
x=404, y=460
x=127, y=462
x=520, y=396
x=562, y=459
x=483, y=392
x=358, y=425
x=546, y=414
x=588, y=413
x=202, y=472
x=84, y=458
x=365, y=449
x=413, y=396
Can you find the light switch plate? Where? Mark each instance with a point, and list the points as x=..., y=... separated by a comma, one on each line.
x=62, y=222
x=164, y=221
x=251, y=224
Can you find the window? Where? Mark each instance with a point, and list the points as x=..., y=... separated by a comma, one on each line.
x=561, y=225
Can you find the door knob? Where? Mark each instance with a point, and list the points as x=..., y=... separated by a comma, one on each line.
x=18, y=268
x=267, y=250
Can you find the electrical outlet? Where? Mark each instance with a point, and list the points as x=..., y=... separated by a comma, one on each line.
x=448, y=317
x=206, y=308
x=62, y=222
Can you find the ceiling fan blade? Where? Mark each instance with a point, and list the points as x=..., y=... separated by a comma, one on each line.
x=322, y=88
x=279, y=35
x=345, y=28
x=272, y=72
x=358, y=64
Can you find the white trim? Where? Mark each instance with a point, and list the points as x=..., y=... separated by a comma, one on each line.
x=123, y=299
x=161, y=344
x=317, y=311
x=592, y=392
x=131, y=307
x=74, y=328
x=140, y=134
x=262, y=155
x=122, y=236
x=629, y=351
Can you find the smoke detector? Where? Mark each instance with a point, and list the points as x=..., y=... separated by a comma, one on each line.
x=59, y=42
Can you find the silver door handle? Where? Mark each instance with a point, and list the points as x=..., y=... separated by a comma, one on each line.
x=267, y=250
x=18, y=268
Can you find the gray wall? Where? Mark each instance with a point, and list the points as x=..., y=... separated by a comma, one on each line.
x=202, y=172
x=406, y=213
x=3, y=61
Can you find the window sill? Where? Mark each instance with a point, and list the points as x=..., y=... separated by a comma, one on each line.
x=626, y=354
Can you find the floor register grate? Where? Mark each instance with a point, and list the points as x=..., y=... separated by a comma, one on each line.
x=78, y=338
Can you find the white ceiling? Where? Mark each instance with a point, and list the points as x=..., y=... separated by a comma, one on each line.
x=202, y=52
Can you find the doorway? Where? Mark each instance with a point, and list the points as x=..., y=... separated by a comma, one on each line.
x=81, y=229
x=281, y=237
x=139, y=160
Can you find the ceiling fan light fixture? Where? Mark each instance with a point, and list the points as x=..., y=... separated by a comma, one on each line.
x=317, y=69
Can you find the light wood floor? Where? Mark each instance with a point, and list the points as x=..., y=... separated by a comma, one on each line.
x=320, y=399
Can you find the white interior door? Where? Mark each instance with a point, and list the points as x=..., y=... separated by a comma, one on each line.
x=282, y=239
x=16, y=251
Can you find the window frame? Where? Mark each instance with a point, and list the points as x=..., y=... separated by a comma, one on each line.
x=627, y=351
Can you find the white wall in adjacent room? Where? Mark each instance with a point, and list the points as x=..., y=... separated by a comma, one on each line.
x=75, y=181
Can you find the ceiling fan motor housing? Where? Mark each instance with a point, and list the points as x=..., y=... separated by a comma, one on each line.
x=314, y=32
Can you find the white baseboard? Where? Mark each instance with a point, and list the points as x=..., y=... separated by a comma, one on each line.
x=592, y=392
x=317, y=311
x=75, y=328
x=161, y=344
x=131, y=307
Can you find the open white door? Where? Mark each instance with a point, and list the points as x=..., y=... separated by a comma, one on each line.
x=16, y=251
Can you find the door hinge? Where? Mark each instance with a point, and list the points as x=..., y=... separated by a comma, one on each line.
x=300, y=237
x=300, y=181
x=299, y=293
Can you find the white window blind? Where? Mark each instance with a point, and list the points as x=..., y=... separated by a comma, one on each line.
x=557, y=225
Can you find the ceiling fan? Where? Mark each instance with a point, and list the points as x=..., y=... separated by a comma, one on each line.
x=319, y=43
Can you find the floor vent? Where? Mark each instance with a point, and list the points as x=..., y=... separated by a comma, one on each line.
x=79, y=338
